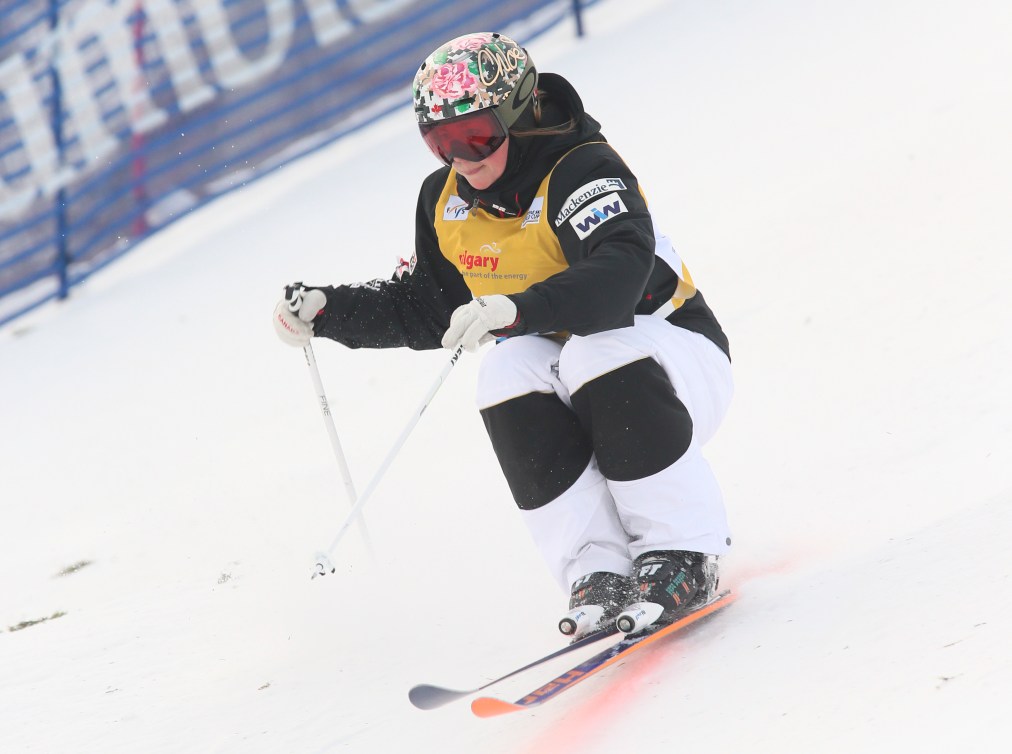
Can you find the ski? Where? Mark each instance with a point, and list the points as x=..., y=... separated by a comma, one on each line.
x=426, y=696
x=486, y=706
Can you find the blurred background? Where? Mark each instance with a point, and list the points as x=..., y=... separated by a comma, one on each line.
x=119, y=117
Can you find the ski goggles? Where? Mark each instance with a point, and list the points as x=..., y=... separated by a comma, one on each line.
x=472, y=137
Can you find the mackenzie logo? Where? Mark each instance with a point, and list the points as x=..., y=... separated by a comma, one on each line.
x=455, y=209
x=585, y=193
x=586, y=222
x=533, y=216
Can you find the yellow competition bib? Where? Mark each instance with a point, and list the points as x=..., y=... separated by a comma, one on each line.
x=497, y=254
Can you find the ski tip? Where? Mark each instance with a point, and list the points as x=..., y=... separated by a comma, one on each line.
x=430, y=697
x=487, y=706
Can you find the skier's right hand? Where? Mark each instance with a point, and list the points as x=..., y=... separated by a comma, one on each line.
x=294, y=314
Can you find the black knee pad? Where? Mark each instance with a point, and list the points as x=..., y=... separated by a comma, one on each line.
x=540, y=444
x=637, y=424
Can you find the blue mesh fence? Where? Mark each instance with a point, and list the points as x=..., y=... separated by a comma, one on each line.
x=118, y=117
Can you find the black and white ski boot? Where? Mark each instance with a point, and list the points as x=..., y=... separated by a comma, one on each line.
x=594, y=602
x=668, y=584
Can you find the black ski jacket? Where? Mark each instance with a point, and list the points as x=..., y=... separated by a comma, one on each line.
x=612, y=268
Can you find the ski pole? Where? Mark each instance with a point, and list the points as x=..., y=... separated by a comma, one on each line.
x=323, y=564
x=335, y=441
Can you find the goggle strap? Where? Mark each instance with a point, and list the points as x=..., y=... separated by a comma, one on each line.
x=510, y=110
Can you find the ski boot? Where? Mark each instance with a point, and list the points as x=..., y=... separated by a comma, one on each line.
x=595, y=601
x=669, y=583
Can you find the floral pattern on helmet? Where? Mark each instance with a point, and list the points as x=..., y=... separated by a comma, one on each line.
x=452, y=81
x=468, y=73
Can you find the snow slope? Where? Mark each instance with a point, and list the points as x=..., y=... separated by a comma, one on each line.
x=837, y=176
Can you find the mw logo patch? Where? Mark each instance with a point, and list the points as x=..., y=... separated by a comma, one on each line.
x=588, y=219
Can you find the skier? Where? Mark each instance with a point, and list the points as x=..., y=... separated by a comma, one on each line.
x=609, y=371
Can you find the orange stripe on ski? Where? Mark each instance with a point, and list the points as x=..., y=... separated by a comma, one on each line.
x=486, y=706
x=668, y=629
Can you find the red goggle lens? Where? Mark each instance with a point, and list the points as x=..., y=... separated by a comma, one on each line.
x=472, y=137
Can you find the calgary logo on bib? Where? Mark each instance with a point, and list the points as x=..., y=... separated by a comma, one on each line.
x=486, y=258
x=586, y=221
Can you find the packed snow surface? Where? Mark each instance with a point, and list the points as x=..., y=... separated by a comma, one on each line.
x=838, y=177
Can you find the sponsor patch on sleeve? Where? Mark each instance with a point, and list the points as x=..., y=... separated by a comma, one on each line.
x=405, y=266
x=587, y=220
x=585, y=193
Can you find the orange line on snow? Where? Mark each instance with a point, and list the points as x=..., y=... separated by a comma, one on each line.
x=581, y=726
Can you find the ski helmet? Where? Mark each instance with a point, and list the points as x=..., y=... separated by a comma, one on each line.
x=471, y=73
x=481, y=83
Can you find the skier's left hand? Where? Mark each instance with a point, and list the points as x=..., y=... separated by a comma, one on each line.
x=484, y=319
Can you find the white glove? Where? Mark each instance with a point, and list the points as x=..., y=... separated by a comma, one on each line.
x=470, y=325
x=294, y=314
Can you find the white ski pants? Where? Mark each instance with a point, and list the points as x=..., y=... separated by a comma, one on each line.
x=599, y=524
